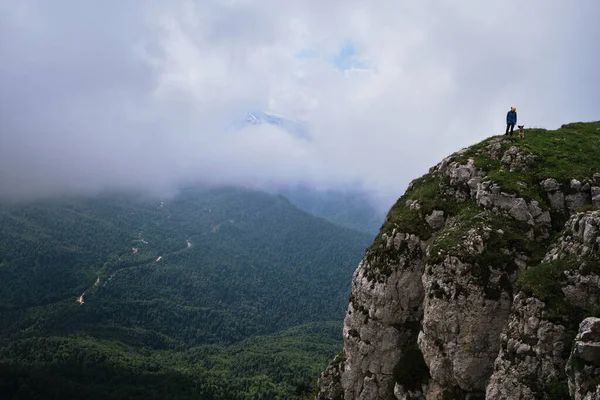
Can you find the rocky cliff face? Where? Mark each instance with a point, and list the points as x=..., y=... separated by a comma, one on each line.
x=583, y=367
x=546, y=314
x=475, y=287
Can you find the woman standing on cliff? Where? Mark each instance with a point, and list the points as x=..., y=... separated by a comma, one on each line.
x=511, y=120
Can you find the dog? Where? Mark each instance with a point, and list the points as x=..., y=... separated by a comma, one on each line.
x=521, y=131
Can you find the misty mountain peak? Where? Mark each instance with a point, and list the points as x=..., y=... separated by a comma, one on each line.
x=296, y=128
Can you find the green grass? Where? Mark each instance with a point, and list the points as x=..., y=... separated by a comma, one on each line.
x=570, y=152
x=429, y=191
x=449, y=239
x=425, y=190
x=544, y=283
x=563, y=154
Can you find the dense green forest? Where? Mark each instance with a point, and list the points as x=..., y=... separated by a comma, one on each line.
x=218, y=293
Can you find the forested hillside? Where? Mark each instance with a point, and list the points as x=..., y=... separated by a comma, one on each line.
x=352, y=209
x=124, y=296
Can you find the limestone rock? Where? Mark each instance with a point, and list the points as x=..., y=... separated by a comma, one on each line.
x=494, y=149
x=530, y=354
x=436, y=219
x=519, y=210
x=401, y=393
x=461, y=175
x=516, y=159
x=413, y=205
x=557, y=200
x=462, y=322
x=574, y=201
x=544, y=219
x=582, y=234
x=489, y=196
x=582, y=290
x=587, y=343
x=329, y=384
x=577, y=200
x=386, y=303
x=535, y=209
x=584, y=363
x=550, y=185
x=472, y=342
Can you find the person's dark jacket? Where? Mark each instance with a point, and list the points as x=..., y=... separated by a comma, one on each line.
x=511, y=117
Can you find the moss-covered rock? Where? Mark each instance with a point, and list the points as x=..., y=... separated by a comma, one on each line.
x=483, y=225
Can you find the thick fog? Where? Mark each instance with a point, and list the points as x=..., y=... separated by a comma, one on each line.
x=151, y=95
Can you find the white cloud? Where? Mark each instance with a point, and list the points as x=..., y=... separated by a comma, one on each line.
x=125, y=95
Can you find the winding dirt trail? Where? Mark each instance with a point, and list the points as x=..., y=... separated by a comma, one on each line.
x=188, y=244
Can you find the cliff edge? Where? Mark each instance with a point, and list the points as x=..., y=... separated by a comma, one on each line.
x=484, y=280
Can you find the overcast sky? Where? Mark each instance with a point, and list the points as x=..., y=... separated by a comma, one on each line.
x=139, y=94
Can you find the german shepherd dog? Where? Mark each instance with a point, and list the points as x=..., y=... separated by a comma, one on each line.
x=521, y=131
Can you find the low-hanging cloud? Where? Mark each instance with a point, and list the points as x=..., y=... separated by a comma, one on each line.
x=146, y=94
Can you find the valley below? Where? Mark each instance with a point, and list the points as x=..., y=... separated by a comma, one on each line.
x=217, y=293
